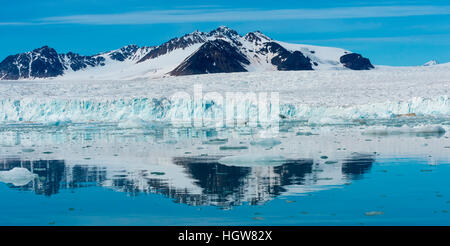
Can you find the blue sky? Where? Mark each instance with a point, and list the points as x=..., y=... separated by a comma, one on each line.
x=389, y=32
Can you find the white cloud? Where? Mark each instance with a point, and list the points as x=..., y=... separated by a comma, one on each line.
x=229, y=15
x=433, y=38
x=14, y=23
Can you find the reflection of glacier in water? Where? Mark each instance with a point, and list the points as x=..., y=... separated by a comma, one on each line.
x=214, y=183
x=202, y=166
x=101, y=174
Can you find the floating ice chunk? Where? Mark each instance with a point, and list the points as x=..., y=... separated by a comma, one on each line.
x=305, y=134
x=405, y=130
x=374, y=213
x=233, y=147
x=252, y=160
x=216, y=141
x=267, y=142
x=429, y=129
x=17, y=176
x=171, y=141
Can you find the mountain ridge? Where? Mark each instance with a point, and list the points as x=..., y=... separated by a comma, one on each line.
x=221, y=50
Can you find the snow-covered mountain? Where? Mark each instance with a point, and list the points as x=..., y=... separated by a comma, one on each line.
x=431, y=63
x=221, y=50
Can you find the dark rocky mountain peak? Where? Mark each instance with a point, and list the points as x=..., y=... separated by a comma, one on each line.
x=124, y=53
x=216, y=56
x=285, y=60
x=256, y=37
x=39, y=63
x=45, y=51
x=77, y=62
x=187, y=40
x=175, y=43
x=224, y=32
x=356, y=61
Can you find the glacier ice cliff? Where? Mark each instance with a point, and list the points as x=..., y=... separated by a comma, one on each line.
x=57, y=110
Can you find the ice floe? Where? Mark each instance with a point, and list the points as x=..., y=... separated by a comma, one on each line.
x=17, y=176
x=266, y=142
x=406, y=130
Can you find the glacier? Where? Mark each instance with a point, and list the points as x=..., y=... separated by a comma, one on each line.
x=318, y=97
x=136, y=111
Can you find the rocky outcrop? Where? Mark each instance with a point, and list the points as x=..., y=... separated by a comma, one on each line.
x=285, y=60
x=77, y=62
x=124, y=53
x=216, y=56
x=356, y=61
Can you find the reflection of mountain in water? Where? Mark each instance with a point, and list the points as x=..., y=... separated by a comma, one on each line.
x=356, y=166
x=215, y=184
x=231, y=185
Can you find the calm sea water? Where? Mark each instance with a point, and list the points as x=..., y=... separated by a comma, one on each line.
x=99, y=175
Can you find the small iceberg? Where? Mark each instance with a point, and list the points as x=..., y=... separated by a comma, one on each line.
x=233, y=147
x=252, y=160
x=420, y=131
x=17, y=176
x=268, y=142
x=217, y=141
x=305, y=134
